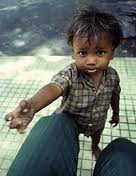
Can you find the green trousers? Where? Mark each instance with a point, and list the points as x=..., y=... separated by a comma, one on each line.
x=51, y=149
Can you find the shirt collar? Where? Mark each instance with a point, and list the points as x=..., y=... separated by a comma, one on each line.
x=90, y=83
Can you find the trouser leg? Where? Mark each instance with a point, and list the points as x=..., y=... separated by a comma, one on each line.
x=51, y=149
x=117, y=159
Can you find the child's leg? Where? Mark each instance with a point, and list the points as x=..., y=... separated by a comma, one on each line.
x=51, y=149
x=117, y=159
x=95, y=142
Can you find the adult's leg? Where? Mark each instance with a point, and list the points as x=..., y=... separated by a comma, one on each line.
x=51, y=149
x=117, y=159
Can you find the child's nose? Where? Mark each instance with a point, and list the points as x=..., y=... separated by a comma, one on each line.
x=91, y=61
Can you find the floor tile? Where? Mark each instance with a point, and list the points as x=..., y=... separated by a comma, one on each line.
x=21, y=77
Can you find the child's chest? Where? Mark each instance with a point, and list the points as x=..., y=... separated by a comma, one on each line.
x=85, y=95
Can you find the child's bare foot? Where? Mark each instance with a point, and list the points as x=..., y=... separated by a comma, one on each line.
x=96, y=151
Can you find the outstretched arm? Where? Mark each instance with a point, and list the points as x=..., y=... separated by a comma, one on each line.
x=45, y=96
x=25, y=111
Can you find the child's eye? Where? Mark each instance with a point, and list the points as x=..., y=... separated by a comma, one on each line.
x=82, y=53
x=100, y=53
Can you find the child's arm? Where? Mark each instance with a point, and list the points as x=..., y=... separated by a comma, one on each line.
x=25, y=111
x=115, y=107
x=45, y=96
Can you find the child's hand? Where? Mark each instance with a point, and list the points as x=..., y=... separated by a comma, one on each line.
x=21, y=116
x=115, y=120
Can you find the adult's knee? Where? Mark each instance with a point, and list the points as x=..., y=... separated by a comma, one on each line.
x=119, y=158
x=117, y=148
x=119, y=142
x=121, y=145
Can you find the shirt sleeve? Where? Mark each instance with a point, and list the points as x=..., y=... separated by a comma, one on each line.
x=63, y=79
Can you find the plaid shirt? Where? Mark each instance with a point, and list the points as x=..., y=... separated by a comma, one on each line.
x=88, y=105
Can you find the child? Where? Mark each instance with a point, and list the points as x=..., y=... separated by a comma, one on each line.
x=87, y=86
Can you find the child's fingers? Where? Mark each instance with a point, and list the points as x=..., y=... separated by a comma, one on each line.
x=24, y=106
x=111, y=121
x=114, y=125
x=22, y=129
x=15, y=123
x=8, y=117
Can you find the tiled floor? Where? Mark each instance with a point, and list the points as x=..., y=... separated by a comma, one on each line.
x=21, y=77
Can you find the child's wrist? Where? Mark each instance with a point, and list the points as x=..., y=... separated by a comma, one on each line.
x=31, y=105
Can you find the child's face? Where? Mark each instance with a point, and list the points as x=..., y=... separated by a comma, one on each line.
x=93, y=58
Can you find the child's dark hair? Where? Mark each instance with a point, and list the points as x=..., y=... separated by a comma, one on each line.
x=89, y=22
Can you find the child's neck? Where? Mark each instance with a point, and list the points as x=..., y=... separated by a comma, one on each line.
x=96, y=79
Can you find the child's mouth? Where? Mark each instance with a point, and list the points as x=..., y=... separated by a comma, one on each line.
x=91, y=70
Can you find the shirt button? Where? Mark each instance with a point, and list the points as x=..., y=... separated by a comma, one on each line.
x=90, y=124
x=94, y=110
